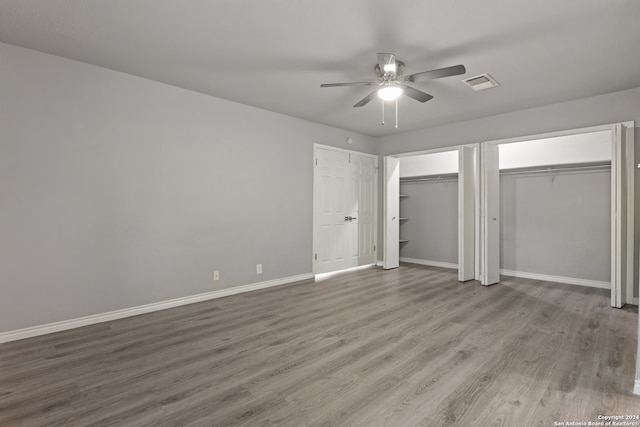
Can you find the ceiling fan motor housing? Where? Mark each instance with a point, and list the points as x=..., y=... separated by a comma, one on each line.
x=385, y=76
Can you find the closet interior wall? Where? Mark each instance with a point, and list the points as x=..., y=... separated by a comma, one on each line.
x=431, y=224
x=557, y=222
x=555, y=205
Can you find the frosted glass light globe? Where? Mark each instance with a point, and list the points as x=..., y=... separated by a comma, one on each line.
x=390, y=93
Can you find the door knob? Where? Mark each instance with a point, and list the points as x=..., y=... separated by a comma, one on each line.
x=349, y=218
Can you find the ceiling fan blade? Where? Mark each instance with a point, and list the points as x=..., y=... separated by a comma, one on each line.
x=416, y=94
x=436, y=74
x=366, y=99
x=348, y=84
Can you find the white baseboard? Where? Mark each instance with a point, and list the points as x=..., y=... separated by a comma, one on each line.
x=64, y=325
x=636, y=388
x=559, y=279
x=429, y=263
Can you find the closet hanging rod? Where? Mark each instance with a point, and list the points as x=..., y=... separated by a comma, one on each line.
x=427, y=178
x=553, y=169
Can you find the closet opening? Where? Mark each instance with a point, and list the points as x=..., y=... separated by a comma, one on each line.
x=559, y=207
x=430, y=213
x=429, y=209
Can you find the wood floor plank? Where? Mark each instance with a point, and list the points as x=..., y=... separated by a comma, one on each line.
x=403, y=347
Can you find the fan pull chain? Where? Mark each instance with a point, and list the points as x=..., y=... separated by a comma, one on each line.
x=396, y=113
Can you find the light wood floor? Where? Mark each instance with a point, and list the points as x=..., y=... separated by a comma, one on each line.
x=406, y=347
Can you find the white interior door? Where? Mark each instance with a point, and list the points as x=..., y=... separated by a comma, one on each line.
x=617, y=213
x=391, y=252
x=331, y=207
x=466, y=213
x=630, y=169
x=362, y=210
x=622, y=213
x=345, y=199
x=490, y=180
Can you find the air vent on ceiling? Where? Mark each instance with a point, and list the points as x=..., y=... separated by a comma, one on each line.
x=481, y=82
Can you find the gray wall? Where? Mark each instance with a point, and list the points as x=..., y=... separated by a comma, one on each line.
x=432, y=227
x=560, y=227
x=118, y=191
x=608, y=108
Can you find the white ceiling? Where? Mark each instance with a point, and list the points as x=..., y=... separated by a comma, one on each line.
x=274, y=54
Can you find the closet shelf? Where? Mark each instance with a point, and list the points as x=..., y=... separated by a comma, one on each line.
x=443, y=177
x=558, y=168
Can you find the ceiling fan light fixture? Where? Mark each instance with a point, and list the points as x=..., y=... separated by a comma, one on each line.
x=390, y=93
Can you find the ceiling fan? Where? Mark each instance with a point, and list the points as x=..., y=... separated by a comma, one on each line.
x=393, y=83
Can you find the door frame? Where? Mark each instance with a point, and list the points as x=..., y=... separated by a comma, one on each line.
x=467, y=229
x=314, y=249
x=622, y=205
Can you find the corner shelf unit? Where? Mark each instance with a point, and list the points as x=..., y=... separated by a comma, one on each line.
x=403, y=219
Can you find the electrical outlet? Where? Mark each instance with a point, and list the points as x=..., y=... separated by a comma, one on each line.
x=216, y=275
x=259, y=269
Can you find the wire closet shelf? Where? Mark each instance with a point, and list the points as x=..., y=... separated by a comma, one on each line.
x=552, y=171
